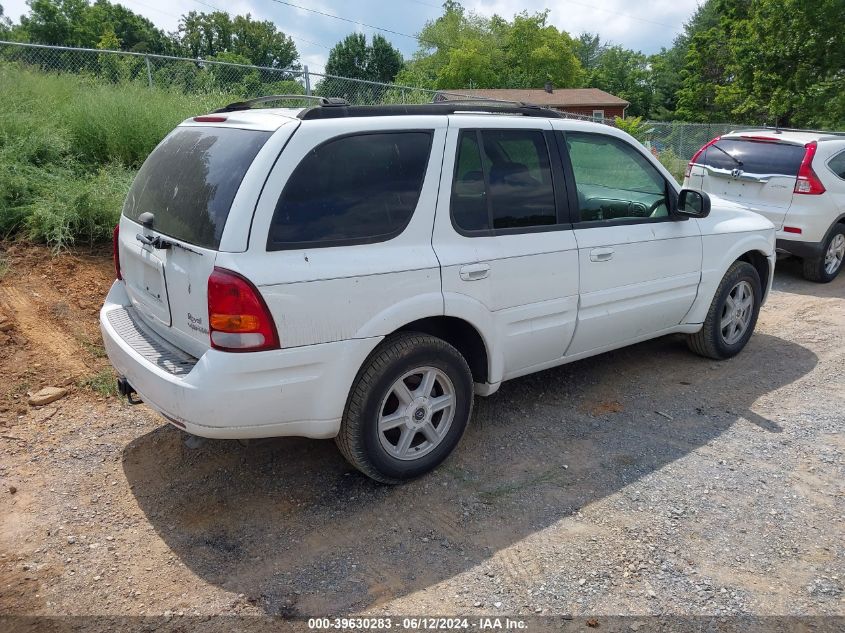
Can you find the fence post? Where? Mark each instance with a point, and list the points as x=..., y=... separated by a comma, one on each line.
x=149, y=71
x=307, y=80
x=681, y=151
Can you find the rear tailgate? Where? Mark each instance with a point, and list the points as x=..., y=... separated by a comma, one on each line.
x=173, y=222
x=759, y=174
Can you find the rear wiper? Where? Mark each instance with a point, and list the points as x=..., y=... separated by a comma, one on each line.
x=156, y=242
x=726, y=153
x=163, y=244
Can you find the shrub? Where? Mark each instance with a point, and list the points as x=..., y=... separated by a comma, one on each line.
x=69, y=146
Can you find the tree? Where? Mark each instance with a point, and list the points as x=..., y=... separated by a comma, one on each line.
x=349, y=57
x=536, y=52
x=5, y=25
x=626, y=74
x=135, y=32
x=667, y=65
x=385, y=61
x=258, y=42
x=766, y=61
x=461, y=49
x=76, y=23
x=353, y=57
x=588, y=48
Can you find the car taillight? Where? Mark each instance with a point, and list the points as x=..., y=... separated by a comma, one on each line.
x=116, y=251
x=697, y=154
x=808, y=182
x=238, y=318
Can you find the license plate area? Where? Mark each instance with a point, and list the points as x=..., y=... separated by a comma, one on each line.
x=146, y=285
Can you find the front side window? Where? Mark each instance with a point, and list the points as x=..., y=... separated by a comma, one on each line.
x=503, y=180
x=614, y=181
x=352, y=189
x=837, y=165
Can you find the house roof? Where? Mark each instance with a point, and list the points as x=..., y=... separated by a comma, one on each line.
x=559, y=98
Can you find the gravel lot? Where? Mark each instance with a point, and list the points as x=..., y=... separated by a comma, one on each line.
x=643, y=481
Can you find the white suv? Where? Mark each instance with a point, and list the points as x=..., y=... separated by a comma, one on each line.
x=795, y=179
x=359, y=272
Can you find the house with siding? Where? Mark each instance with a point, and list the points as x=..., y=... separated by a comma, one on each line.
x=591, y=102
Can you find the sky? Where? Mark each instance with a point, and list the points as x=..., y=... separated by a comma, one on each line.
x=644, y=26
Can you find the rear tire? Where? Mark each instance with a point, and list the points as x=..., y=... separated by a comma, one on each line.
x=732, y=315
x=408, y=408
x=825, y=267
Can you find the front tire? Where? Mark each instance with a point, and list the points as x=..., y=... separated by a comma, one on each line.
x=823, y=269
x=408, y=408
x=732, y=315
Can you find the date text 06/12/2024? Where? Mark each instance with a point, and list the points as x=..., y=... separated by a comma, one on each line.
x=417, y=624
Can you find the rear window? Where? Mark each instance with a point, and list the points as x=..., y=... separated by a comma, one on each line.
x=757, y=157
x=352, y=190
x=189, y=181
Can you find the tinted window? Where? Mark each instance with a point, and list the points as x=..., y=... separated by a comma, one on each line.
x=756, y=157
x=614, y=180
x=505, y=182
x=189, y=181
x=352, y=189
x=837, y=165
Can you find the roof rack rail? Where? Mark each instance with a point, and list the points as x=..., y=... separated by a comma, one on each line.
x=439, y=108
x=249, y=103
x=775, y=130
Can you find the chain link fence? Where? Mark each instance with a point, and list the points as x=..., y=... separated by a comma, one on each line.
x=673, y=143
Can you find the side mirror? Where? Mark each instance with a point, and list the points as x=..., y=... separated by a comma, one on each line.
x=693, y=204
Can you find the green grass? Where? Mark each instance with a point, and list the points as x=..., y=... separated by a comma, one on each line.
x=69, y=148
x=103, y=383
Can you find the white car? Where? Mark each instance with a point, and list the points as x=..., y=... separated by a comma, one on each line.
x=795, y=179
x=360, y=272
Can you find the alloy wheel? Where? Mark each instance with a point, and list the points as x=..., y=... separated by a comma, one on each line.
x=736, y=313
x=416, y=413
x=835, y=254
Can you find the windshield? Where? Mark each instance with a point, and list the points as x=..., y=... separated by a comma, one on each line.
x=189, y=181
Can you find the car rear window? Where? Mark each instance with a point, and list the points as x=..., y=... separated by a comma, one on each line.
x=353, y=189
x=189, y=181
x=757, y=157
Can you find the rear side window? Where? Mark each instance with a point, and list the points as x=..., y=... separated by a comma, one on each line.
x=503, y=180
x=352, y=190
x=837, y=165
x=189, y=181
x=756, y=157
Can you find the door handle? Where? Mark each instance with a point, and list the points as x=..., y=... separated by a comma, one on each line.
x=601, y=254
x=474, y=272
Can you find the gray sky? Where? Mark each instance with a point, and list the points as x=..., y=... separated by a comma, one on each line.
x=644, y=26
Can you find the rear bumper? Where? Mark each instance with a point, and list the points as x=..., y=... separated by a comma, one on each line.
x=799, y=249
x=299, y=391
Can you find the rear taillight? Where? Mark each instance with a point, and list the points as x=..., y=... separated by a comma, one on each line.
x=115, y=240
x=209, y=118
x=238, y=318
x=697, y=154
x=808, y=182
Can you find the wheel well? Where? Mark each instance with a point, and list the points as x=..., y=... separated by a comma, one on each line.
x=459, y=334
x=760, y=263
